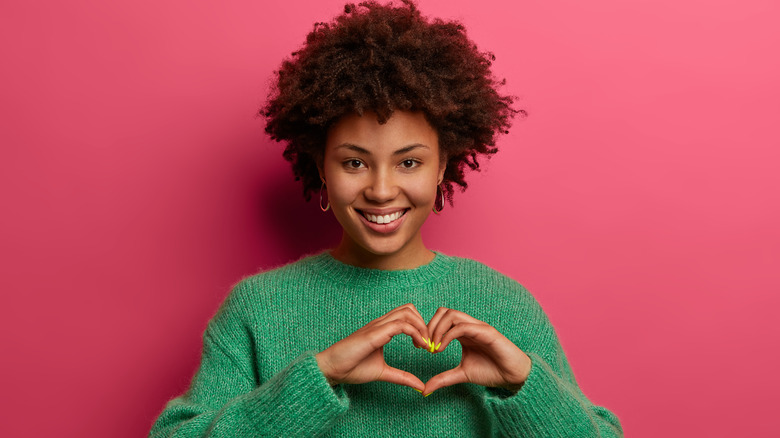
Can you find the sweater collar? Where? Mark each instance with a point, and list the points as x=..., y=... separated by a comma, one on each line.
x=438, y=268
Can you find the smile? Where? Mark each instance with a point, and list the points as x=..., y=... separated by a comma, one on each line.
x=383, y=219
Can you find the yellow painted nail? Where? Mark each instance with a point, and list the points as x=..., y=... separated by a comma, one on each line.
x=437, y=347
x=426, y=395
x=417, y=390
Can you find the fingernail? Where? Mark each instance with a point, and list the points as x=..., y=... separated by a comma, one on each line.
x=437, y=347
x=426, y=395
x=430, y=346
x=417, y=390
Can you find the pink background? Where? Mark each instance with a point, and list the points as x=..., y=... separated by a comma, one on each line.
x=639, y=202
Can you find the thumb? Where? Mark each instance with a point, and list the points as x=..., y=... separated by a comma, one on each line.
x=399, y=377
x=447, y=378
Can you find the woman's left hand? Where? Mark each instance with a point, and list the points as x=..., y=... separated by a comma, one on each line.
x=488, y=358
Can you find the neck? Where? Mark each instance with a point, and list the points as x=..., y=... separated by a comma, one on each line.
x=411, y=256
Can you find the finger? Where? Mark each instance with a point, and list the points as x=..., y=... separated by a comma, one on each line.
x=437, y=324
x=437, y=316
x=392, y=311
x=388, y=330
x=444, y=324
x=353, y=350
x=479, y=333
x=406, y=307
x=447, y=319
x=408, y=313
x=447, y=378
x=511, y=363
x=399, y=377
x=461, y=316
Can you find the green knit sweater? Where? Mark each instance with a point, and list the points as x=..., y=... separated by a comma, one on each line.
x=259, y=377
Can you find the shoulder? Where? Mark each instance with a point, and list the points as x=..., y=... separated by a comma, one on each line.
x=267, y=287
x=505, y=304
x=478, y=273
x=494, y=292
x=298, y=271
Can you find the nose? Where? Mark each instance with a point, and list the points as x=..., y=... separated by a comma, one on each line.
x=382, y=187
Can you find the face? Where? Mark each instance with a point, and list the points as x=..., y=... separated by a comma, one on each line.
x=381, y=182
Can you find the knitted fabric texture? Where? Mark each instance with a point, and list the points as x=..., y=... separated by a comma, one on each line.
x=258, y=375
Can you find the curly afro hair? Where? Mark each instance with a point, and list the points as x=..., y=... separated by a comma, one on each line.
x=382, y=58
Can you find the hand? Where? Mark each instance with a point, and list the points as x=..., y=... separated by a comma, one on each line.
x=488, y=358
x=359, y=358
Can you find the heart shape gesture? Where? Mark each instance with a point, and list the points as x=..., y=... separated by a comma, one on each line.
x=488, y=358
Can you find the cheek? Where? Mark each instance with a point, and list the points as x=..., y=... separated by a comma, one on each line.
x=422, y=194
x=342, y=192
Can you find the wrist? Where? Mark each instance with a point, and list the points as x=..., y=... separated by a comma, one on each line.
x=515, y=386
x=322, y=363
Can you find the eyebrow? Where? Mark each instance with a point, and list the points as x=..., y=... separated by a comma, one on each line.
x=403, y=150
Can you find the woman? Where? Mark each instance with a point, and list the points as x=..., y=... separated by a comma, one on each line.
x=383, y=111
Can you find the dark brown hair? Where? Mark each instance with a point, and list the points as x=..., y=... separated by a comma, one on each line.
x=383, y=58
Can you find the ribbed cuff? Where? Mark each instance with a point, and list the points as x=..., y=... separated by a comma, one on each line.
x=297, y=401
x=545, y=406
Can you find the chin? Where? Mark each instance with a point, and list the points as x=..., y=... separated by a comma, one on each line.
x=382, y=250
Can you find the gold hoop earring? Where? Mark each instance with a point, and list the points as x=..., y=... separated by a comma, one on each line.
x=327, y=207
x=438, y=206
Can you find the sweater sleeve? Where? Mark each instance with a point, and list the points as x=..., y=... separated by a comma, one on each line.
x=226, y=400
x=550, y=404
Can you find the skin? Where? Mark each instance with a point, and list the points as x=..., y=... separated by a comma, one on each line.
x=385, y=168
x=389, y=168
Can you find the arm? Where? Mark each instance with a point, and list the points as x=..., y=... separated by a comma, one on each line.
x=527, y=394
x=550, y=404
x=225, y=399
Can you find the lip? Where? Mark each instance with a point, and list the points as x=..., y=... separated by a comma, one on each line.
x=381, y=211
x=382, y=228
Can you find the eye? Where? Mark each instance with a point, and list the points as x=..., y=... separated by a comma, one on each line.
x=353, y=164
x=409, y=164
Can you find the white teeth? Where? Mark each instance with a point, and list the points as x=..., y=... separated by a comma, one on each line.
x=386, y=219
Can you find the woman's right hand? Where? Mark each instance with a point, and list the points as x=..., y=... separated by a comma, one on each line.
x=359, y=357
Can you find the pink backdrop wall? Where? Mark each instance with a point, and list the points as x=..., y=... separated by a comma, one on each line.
x=639, y=201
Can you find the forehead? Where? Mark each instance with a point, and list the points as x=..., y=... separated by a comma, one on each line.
x=402, y=129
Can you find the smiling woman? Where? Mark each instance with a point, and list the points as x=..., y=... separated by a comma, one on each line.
x=382, y=183
x=382, y=111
